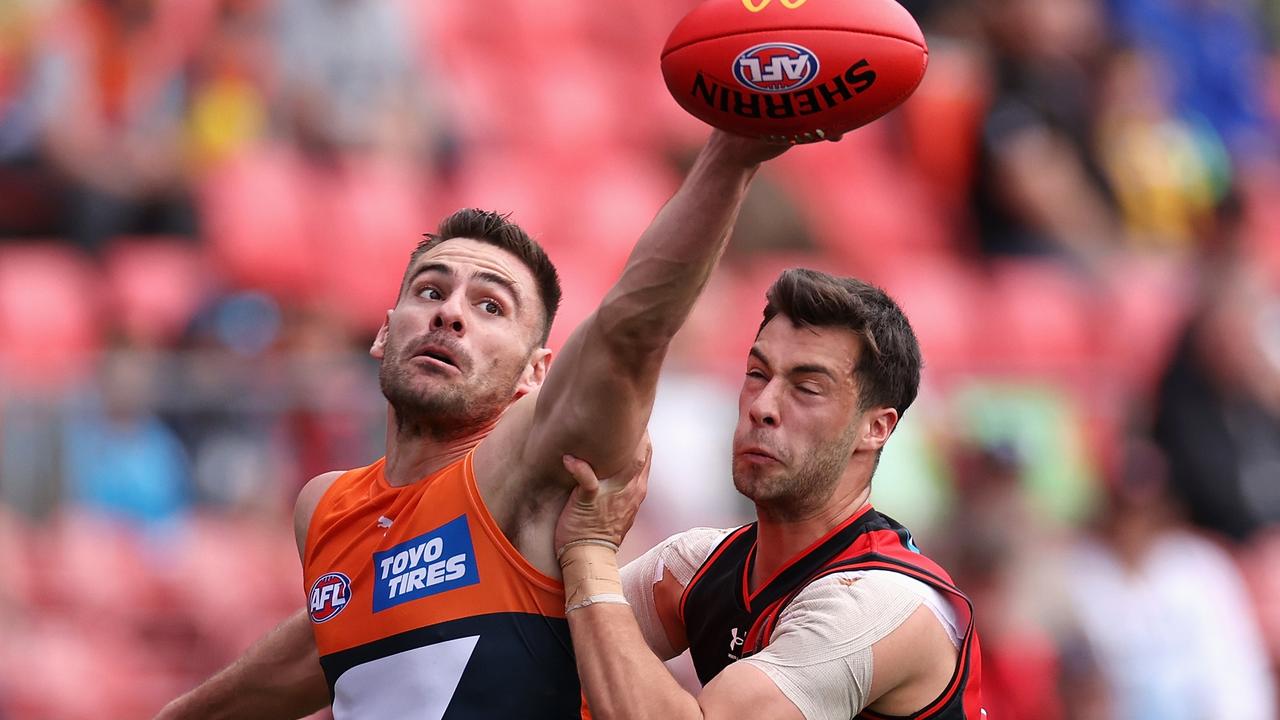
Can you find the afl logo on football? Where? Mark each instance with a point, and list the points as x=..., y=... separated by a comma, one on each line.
x=775, y=67
x=329, y=595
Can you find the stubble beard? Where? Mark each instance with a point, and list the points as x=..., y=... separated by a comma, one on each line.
x=443, y=413
x=791, y=495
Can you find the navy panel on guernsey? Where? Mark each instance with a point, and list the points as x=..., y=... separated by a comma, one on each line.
x=474, y=667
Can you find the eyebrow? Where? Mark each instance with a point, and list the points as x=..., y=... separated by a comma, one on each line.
x=811, y=370
x=798, y=369
x=491, y=277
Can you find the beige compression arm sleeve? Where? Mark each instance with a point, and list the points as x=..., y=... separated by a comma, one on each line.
x=820, y=652
x=680, y=555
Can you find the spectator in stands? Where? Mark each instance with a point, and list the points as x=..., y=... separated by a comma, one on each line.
x=109, y=96
x=350, y=81
x=1009, y=556
x=120, y=459
x=1164, y=611
x=1218, y=405
x=27, y=186
x=1039, y=188
x=1215, y=51
x=1167, y=173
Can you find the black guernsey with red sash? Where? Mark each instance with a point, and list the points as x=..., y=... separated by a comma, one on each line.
x=725, y=622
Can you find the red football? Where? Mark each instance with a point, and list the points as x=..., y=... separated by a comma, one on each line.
x=795, y=69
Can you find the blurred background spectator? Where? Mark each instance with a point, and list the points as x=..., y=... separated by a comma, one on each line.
x=206, y=205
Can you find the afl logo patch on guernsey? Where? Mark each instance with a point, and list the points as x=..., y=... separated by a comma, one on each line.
x=329, y=595
x=775, y=67
x=434, y=562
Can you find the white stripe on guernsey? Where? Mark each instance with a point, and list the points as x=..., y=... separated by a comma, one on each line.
x=415, y=684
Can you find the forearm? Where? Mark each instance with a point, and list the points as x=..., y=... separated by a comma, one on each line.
x=673, y=259
x=597, y=397
x=279, y=677
x=621, y=676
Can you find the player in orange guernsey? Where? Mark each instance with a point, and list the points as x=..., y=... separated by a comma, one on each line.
x=432, y=584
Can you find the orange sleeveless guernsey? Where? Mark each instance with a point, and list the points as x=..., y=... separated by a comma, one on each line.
x=422, y=608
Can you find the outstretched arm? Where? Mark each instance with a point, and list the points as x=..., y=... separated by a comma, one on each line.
x=598, y=394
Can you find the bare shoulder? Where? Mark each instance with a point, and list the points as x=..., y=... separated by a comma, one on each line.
x=305, y=506
x=744, y=691
x=913, y=664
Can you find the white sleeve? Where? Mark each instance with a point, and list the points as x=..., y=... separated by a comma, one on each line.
x=681, y=554
x=819, y=655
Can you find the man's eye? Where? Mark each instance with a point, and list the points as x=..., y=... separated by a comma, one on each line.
x=758, y=375
x=430, y=293
x=491, y=307
x=807, y=390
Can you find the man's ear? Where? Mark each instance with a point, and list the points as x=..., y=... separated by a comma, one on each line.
x=878, y=425
x=378, y=349
x=535, y=372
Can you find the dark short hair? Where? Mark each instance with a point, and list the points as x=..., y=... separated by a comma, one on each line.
x=498, y=230
x=889, y=367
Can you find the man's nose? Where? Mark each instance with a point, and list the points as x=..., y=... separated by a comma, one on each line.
x=764, y=409
x=449, y=315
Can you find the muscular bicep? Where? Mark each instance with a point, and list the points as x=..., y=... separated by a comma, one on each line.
x=592, y=405
x=743, y=691
x=596, y=400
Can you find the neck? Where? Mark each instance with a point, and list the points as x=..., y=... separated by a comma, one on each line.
x=779, y=540
x=412, y=457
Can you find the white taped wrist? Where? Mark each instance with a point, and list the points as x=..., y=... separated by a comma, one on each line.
x=601, y=599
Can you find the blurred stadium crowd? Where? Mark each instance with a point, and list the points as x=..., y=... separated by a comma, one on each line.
x=206, y=205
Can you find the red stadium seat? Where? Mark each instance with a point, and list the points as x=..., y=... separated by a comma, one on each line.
x=1038, y=317
x=374, y=215
x=867, y=206
x=943, y=300
x=49, y=327
x=1262, y=224
x=54, y=660
x=1146, y=310
x=95, y=569
x=258, y=222
x=74, y=670
x=510, y=180
x=605, y=204
x=156, y=286
x=17, y=556
x=257, y=557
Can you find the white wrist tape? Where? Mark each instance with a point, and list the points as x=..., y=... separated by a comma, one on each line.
x=601, y=599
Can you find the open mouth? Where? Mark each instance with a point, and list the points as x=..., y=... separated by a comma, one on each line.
x=437, y=356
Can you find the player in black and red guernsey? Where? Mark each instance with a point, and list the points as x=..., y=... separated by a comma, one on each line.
x=822, y=609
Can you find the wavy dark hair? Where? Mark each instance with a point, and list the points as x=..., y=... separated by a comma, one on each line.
x=889, y=367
